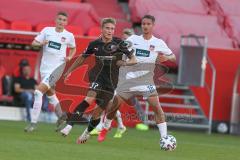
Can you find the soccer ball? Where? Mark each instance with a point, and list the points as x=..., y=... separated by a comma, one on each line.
x=168, y=143
x=222, y=128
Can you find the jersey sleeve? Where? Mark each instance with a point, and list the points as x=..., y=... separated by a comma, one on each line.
x=89, y=50
x=41, y=36
x=72, y=43
x=163, y=48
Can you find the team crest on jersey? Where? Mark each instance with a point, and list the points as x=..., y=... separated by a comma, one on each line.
x=152, y=47
x=63, y=39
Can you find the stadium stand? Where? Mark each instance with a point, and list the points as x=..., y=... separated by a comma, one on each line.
x=170, y=26
x=94, y=32
x=4, y=97
x=3, y=25
x=111, y=8
x=139, y=8
x=230, y=9
x=76, y=30
x=40, y=26
x=107, y=8
x=216, y=19
x=229, y=15
x=77, y=1
x=21, y=26
x=175, y=18
x=82, y=14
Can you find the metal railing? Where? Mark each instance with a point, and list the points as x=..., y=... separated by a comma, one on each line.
x=212, y=94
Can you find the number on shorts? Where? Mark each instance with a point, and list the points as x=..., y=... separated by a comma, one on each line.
x=94, y=85
x=151, y=88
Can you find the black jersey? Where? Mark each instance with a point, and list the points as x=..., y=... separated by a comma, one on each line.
x=105, y=70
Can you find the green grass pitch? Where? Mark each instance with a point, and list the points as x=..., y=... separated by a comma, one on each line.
x=45, y=144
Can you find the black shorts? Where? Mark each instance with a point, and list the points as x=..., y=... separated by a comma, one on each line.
x=104, y=91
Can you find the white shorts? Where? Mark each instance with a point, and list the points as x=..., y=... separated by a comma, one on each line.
x=143, y=90
x=45, y=79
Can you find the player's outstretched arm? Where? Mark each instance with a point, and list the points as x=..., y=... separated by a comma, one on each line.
x=77, y=63
x=72, y=52
x=163, y=58
x=129, y=62
x=36, y=43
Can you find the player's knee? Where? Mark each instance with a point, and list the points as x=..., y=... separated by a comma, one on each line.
x=89, y=100
x=42, y=87
x=53, y=100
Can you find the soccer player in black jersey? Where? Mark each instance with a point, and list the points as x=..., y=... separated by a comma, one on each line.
x=103, y=76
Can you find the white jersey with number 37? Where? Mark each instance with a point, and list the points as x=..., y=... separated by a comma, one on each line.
x=54, y=52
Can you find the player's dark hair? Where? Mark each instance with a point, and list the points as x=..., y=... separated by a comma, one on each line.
x=108, y=20
x=62, y=14
x=149, y=17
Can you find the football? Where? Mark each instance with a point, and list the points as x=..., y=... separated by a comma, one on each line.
x=168, y=143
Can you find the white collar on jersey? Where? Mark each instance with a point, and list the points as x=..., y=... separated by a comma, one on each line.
x=147, y=39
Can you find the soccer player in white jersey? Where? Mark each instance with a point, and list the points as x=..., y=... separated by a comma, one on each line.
x=54, y=42
x=137, y=80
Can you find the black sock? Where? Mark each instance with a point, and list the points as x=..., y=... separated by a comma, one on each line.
x=93, y=124
x=78, y=112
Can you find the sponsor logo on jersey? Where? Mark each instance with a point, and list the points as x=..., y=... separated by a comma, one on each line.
x=63, y=39
x=142, y=53
x=54, y=45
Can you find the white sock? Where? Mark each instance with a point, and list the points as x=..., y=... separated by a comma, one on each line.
x=107, y=123
x=55, y=102
x=119, y=119
x=162, y=129
x=100, y=125
x=37, y=105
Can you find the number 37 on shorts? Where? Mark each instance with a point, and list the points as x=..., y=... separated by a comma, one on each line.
x=94, y=85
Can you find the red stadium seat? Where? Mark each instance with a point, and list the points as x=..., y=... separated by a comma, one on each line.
x=40, y=26
x=3, y=98
x=76, y=30
x=78, y=1
x=94, y=32
x=21, y=25
x=231, y=9
x=139, y=8
x=3, y=25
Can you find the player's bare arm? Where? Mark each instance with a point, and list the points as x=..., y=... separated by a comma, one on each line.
x=129, y=62
x=36, y=43
x=76, y=64
x=163, y=58
x=72, y=52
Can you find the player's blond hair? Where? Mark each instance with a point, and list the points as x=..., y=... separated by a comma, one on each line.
x=108, y=20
